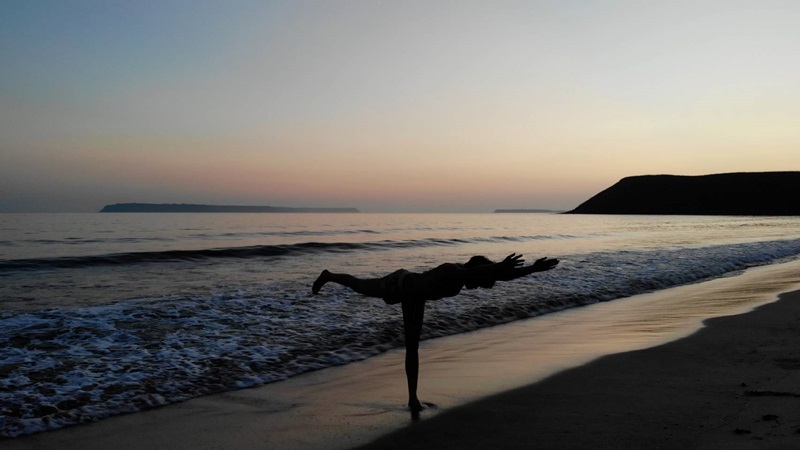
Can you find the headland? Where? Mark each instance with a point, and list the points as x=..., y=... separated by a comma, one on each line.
x=196, y=208
x=524, y=211
x=747, y=193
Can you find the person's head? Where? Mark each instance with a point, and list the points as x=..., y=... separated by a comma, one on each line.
x=478, y=261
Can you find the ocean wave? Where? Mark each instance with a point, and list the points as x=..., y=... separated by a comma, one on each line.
x=71, y=365
x=258, y=251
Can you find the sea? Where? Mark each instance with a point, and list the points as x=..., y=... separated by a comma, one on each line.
x=103, y=314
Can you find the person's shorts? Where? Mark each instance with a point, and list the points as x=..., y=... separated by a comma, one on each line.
x=393, y=286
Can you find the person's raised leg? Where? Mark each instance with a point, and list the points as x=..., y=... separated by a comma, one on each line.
x=323, y=278
x=413, y=313
x=371, y=287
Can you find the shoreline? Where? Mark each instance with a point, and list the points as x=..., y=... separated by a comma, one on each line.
x=734, y=384
x=347, y=406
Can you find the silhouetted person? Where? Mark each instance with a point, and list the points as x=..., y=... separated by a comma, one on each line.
x=413, y=289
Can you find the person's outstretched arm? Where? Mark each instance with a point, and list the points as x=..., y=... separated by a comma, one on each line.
x=505, y=270
x=493, y=271
x=540, y=265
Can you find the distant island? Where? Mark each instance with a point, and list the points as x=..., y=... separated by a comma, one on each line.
x=746, y=193
x=192, y=208
x=524, y=211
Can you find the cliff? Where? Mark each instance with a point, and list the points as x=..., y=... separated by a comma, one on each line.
x=191, y=208
x=750, y=193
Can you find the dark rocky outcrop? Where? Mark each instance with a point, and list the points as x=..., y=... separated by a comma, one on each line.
x=747, y=193
x=192, y=208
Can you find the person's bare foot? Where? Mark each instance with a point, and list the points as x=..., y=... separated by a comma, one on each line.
x=415, y=405
x=323, y=278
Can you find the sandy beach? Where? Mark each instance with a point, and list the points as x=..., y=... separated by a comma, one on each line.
x=734, y=385
x=541, y=383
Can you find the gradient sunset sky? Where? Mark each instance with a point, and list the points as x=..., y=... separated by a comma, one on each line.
x=387, y=106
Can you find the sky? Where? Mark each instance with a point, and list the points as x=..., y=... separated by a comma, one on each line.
x=401, y=106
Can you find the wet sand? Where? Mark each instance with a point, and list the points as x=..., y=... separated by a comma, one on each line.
x=733, y=384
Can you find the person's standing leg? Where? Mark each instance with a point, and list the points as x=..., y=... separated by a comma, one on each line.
x=413, y=313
